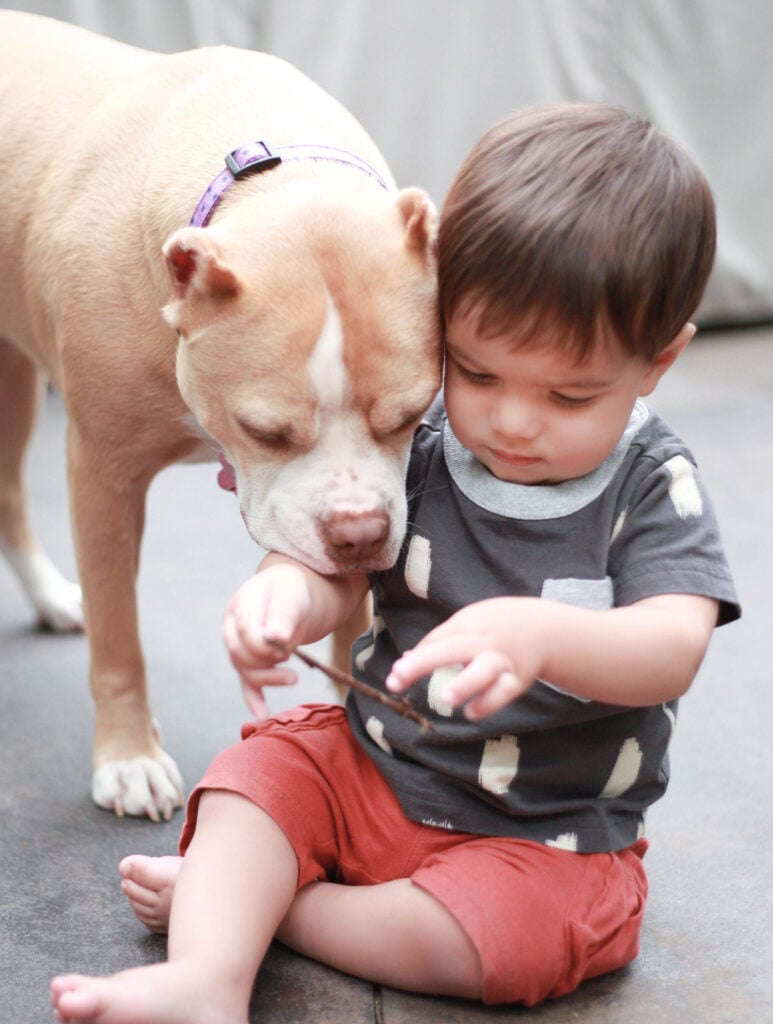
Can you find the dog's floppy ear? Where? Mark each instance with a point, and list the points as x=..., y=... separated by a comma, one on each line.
x=195, y=263
x=420, y=217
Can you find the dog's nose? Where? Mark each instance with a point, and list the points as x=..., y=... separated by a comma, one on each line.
x=352, y=537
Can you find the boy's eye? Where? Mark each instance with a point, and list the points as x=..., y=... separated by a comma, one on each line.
x=473, y=377
x=572, y=400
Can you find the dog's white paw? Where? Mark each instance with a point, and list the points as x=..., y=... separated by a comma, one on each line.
x=144, y=787
x=61, y=607
x=58, y=602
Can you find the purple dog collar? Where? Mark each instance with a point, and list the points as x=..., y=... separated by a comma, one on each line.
x=258, y=156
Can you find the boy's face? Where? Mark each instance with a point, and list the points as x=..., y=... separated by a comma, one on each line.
x=530, y=413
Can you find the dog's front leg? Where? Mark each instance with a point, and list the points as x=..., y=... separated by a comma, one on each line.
x=132, y=773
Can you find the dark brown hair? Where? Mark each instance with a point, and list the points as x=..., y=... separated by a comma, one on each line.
x=577, y=218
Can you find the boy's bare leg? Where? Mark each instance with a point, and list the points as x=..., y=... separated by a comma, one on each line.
x=394, y=933
x=235, y=885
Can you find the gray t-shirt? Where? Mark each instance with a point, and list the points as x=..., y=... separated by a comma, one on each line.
x=551, y=767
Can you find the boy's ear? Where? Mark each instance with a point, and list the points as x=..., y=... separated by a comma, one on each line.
x=666, y=359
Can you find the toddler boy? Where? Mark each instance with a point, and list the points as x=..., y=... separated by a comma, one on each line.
x=555, y=596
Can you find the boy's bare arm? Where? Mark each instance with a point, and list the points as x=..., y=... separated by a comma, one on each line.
x=639, y=655
x=332, y=599
x=284, y=604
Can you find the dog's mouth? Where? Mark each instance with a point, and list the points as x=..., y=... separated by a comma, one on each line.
x=336, y=563
x=321, y=556
x=333, y=529
x=330, y=567
x=359, y=568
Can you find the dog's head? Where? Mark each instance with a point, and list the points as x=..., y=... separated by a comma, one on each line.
x=309, y=349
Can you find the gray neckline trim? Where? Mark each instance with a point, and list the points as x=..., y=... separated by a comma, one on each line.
x=538, y=501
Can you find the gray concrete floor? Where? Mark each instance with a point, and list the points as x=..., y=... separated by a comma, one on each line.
x=708, y=935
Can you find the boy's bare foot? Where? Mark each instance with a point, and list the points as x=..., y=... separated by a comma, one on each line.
x=148, y=884
x=170, y=993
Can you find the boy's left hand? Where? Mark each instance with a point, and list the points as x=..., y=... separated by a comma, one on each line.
x=494, y=645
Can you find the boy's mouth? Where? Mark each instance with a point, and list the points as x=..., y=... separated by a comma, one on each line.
x=514, y=458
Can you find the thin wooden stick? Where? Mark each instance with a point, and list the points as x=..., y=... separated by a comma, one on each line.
x=398, y=704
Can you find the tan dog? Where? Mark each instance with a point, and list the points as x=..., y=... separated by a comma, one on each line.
x=299, y=329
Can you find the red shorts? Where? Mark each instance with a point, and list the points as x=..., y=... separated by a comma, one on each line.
x=542, y=919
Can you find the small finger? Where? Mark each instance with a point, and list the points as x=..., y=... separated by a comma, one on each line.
x=478, y=674
x=247, y=652
x=259, y=678
x=256, y=702
x=502, y=692
x=425, y=659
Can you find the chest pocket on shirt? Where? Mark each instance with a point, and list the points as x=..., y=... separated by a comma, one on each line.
x=594, y=594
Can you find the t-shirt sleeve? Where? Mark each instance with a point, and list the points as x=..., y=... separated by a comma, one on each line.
x=666, y=537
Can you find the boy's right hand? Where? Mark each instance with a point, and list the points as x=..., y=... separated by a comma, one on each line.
x=272, y=605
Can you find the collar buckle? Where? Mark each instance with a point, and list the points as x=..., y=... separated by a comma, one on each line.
x=258, y=156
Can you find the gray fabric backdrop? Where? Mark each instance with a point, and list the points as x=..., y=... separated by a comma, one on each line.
x=427, y=77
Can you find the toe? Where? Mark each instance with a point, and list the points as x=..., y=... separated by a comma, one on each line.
x=75, y=998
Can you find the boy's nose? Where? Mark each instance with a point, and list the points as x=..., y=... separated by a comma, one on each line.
x=516, y=419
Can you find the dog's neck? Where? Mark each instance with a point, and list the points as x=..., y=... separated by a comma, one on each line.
x=256, y=157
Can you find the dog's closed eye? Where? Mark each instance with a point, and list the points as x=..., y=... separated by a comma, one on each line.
x=395, y=428
x=277, y=439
